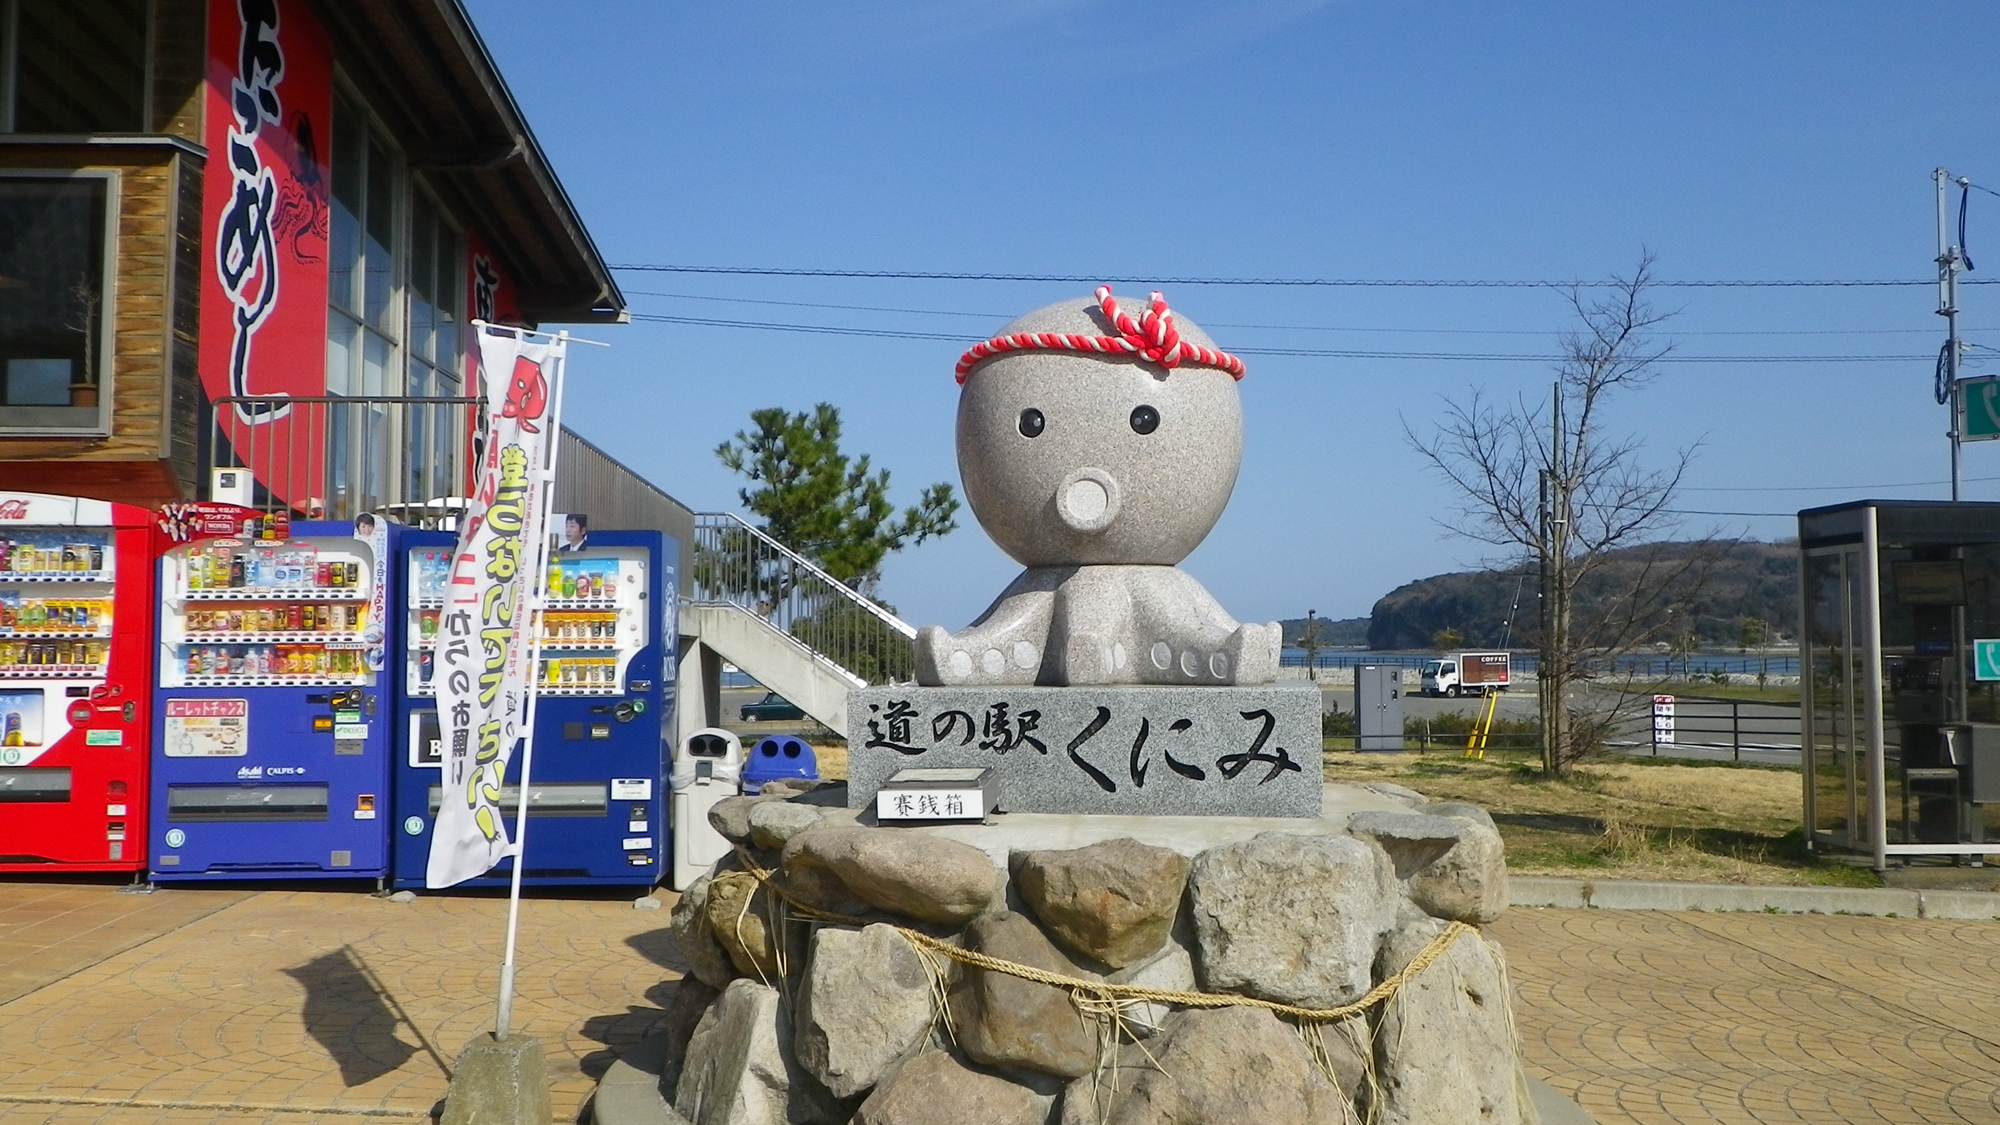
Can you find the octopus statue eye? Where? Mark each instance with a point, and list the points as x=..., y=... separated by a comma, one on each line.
x=1145, y=419
x=1032, y=423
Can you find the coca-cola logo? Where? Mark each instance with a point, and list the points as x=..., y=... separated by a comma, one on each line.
x=13, y=509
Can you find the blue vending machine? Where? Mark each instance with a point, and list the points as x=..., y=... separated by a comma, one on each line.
x=273, y=706
x=603, y=723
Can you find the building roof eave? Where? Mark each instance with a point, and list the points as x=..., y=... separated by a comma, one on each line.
x=425, y=71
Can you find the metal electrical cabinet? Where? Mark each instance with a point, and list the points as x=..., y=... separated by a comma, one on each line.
x=76, y=629
x=597, y=806
x=273, y=712
x=1378, y=707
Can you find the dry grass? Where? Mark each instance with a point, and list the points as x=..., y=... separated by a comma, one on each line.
x=832, y=758
x=1624, y=819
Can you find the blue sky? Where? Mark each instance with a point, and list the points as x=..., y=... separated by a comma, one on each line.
x=1357, y=140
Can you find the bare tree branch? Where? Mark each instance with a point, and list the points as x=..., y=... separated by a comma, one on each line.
x=1547, y=481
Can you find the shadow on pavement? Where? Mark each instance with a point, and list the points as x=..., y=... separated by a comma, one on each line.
x=349, y=1015
x=621, y=1031
x=658, y=946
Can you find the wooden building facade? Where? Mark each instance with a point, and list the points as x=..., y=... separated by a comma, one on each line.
x=240, y=200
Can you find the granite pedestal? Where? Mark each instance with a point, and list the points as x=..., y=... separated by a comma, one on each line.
x=1160, y=751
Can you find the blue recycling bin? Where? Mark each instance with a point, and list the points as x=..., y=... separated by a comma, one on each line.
x=778, y=757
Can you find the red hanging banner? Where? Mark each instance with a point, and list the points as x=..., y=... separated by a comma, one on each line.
x=265, y=226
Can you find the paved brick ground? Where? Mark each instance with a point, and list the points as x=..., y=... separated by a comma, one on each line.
x=1650, y=1018
x=336, y=1008
x=49, y=930
x=311, y=1008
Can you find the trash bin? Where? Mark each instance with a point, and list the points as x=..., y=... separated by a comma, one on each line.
x=779, y=756
x=705, y=770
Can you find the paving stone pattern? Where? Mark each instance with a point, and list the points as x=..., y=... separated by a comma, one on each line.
x=196, y=1007
x=1649, y=1017
x=316, y=1008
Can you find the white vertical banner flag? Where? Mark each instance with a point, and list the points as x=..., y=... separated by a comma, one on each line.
x=484, y=640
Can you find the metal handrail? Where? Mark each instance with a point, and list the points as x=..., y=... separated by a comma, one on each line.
x=740, y=565
x=336, y=456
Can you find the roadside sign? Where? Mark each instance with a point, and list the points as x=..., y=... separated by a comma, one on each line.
x=1979, y=409
x=1986, y=660
x=1663, y=718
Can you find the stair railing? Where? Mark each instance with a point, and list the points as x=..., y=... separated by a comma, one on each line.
x=740, y=565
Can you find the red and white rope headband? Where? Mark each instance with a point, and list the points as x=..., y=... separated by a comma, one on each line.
x=1153, y=338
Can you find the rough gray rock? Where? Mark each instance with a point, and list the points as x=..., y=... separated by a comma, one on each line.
x=1458, y=808
x=731, y=817
x=1469, y=882
x=774, y=823
x=865, y=1003
x=1172, y=969
x=1414, y=841
x=680, y=1016
x=915, y=875
x=705, y=957
x=1226, y=1066
x=1113, y=901
x=786, y=787
x=1445, y=1050
x=746, y=919
x=936, y=1089
x=1003, y=1020
x=738, y=1070
x=1291, y=918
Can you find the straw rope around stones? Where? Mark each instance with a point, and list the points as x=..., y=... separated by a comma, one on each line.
x=1090, y=993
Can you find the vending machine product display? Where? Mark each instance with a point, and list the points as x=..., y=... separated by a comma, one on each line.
x=273, y=706
x=603, y=720
x=76, y=628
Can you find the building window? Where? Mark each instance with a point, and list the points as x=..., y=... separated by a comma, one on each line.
x=56, y=255
x=435, y=345
x=73, y=67
x=364, y=313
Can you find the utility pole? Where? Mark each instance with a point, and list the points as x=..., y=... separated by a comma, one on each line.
x=1950, y=259
x=1552, y=678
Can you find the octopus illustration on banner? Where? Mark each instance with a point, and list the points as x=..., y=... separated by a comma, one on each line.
x=483, y=634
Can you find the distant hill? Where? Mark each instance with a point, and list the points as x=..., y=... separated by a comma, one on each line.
x=1347, y=632
x=1755, y=580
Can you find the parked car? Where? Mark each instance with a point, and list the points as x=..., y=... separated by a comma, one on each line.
x=772, y=707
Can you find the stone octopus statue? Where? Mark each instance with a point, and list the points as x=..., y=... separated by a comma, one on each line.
x=1098, y=450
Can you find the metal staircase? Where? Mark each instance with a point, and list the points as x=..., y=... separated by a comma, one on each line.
x=785, y=622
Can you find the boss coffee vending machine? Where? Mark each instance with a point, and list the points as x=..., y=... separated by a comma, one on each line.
x=76, y=629
x=609, y=636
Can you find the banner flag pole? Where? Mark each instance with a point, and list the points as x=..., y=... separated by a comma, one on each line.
x=538, y=602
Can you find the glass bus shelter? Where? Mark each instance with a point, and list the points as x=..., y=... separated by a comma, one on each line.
x=1896, y=709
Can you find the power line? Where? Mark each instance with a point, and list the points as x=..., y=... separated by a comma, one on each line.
x=1308, y=353
x=1824, y=487
x=1316, y=282
x=1293, y=353
x=1693, y=512
x=1283, y=327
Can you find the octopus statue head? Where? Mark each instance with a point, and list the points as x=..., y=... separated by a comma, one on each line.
x=1076, y=453
x=1098, y=448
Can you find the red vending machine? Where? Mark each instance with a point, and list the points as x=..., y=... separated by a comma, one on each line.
x=76, y=672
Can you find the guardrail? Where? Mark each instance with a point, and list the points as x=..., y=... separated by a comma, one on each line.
x=1526, y=661
x=1721, y=724
x=740, y=565
x=334, y=457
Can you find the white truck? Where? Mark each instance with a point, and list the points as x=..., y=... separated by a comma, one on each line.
x=1467, y=673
